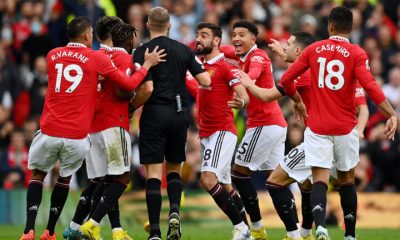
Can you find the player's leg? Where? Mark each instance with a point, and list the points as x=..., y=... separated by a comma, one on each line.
x=43, y=154
x=118, y=155
x=347, y=156
x=217, y=152
x=96, y=168
x=283, y=200
x=306, y=211
x=174, y=190
x=241, y=176
x=319, y=155
x=238, y=202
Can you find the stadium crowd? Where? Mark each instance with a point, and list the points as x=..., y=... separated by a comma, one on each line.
x=31, y=28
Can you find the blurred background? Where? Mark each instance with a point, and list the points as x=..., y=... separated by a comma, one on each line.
x=30, y=28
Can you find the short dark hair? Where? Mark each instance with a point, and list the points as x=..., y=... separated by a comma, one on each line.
x=342, y=19
x=121, y=34
x=104, y=26
x=77, y=27
x=248, y=25
x=304, y=38
x=215, y=29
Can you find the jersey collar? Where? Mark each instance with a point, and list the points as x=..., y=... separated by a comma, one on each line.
x=248, y=53
x=215, y=59
x=118, y=49
x=339, y=38
x=75, y=44
x=105, y=47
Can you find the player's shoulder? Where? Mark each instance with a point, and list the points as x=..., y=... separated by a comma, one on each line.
x=259, y=55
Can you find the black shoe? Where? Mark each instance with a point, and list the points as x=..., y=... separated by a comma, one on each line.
x=174, y=227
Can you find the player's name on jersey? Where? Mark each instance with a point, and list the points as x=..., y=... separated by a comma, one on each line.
x=332, y=47
x=69, y=54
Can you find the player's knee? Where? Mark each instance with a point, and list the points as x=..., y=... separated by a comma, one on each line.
x=208, y=180
x=38, y=175
x=344, y=178
x=241, y=170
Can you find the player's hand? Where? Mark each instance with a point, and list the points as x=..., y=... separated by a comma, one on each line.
x=277, y=48
x=300, y=111
x=236, y=102
x=154, y=57
x=391, y=126
x=244, y=78
x=360, y=134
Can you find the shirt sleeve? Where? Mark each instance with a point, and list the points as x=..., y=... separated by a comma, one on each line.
x=256, y=66
x=229, y=76
x=107, y=69
x=360, y=95
x=365, y=78
x=295, y=70
x=195, y=66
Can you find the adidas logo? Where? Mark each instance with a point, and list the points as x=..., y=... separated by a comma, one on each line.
x=102, y=199
x=83, y=200
x=239, y=157
x=350, y=217
x=54, y=210
x=205, y=164
x=33, y=208
x=318, y=208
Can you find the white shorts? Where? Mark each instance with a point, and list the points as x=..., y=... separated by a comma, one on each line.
x=262, y=148
x=111, y=153
x=295, y=165
x=45, y=151
x=327, y=151
x=216, y=154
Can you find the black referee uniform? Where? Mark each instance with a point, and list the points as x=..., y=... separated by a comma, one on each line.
x=164, y=120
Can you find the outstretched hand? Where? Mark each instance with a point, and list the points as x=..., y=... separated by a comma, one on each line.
x=300, y=111
x=154, y=57
x=391, y=126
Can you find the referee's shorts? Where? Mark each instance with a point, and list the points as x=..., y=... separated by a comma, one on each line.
x=163, y=133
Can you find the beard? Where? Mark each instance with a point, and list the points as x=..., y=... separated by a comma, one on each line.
x=205, y=50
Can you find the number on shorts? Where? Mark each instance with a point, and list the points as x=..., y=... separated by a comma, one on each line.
x=322, y=80
x=207, y=154
x=293, y=157
x=243, y=148
x=66, y=73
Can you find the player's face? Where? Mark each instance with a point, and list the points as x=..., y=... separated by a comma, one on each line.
x=291, y=50
x=204, y=41
x=242, y=40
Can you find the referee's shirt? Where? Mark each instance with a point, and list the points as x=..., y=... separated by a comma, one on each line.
x=169, y=77
x=164, y=120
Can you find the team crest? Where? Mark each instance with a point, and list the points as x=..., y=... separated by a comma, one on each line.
x=211, y=72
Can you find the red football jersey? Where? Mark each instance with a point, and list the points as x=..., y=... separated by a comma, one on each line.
x=113, y=111
x=214, y=112
x=334, y=64
x=303, y=86
x=73, y=76
x=258, y=66
x=105, y=50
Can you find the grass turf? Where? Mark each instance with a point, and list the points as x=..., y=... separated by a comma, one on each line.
x=209, y=231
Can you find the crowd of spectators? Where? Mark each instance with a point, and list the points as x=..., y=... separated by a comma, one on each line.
x=30, y=28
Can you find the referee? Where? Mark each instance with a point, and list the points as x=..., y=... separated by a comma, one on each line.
x=164, y=121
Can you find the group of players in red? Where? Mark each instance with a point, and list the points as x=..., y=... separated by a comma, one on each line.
x=322, y=82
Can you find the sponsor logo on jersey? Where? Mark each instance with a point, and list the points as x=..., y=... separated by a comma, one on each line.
x=258, y=59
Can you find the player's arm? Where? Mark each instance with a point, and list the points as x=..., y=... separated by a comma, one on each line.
x=264, y=94
x=363, y=114
x=278, y=49
x=109, y=71
x=369, y=84
x=295, y=70
x=143, y=94
x=192, y=86
x=196, y=68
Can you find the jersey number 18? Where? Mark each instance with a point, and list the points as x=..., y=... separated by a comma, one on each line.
x=327, y=80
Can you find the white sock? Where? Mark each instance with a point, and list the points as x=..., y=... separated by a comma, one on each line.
x=241, y=226
x=257, y=225
x=117, y=229
x=74, y=226
x=94, y=222
x=305, y=232
x=294, y=234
